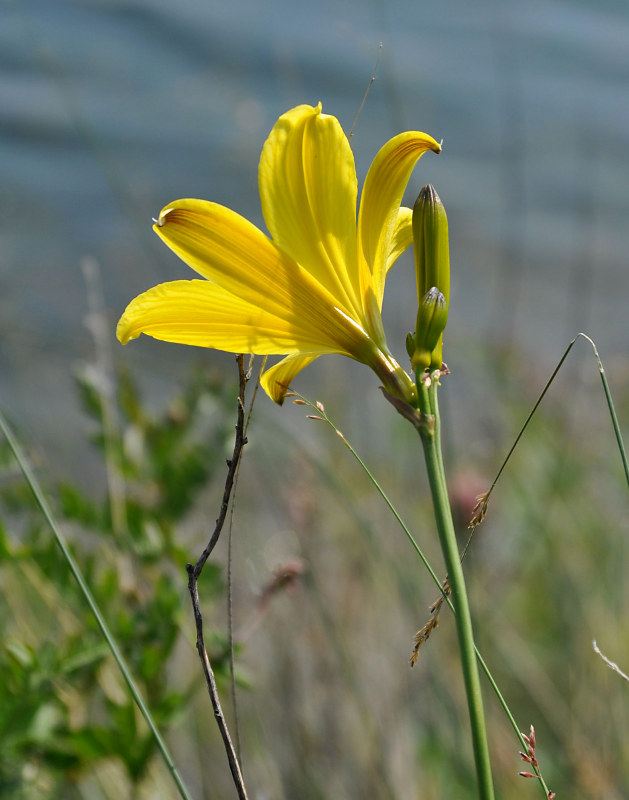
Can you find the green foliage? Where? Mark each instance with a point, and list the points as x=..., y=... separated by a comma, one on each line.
x=64, y=710
x=341, y=714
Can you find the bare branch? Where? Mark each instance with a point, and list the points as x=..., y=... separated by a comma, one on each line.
x=194, y=571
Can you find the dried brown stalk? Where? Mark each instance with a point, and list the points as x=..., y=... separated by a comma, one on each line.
x=194, y=571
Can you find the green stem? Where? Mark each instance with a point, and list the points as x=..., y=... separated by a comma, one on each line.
x=107, y=634
x=320, y=413
x=431, y=441
x=610, y=405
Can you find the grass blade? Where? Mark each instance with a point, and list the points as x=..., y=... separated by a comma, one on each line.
x=89, y=598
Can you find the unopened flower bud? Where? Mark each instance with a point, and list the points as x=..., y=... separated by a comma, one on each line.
x=430, y=240
x=431, y=322
x=432, y=268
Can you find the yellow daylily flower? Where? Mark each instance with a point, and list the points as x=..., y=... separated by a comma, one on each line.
x=316, y=284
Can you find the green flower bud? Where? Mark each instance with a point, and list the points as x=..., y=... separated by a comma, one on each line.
x=431, y=322
x=432, y=269
x=430, y=238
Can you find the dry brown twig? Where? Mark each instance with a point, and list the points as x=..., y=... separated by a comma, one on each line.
x=194, y=571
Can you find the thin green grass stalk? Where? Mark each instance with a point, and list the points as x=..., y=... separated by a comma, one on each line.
x=610, y=406
x=322, y=415
x=107, y=634
x=430, y=433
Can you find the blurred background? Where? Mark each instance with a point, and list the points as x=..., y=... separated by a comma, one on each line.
x=109, y=109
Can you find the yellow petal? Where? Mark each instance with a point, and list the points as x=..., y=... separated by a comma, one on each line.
x=402, y=237
x=277, y=380
x=307, y=182
x=203, y=314
x=382, y=194
x=230, y=251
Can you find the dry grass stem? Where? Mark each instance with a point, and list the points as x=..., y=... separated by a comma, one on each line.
x=611, y=664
